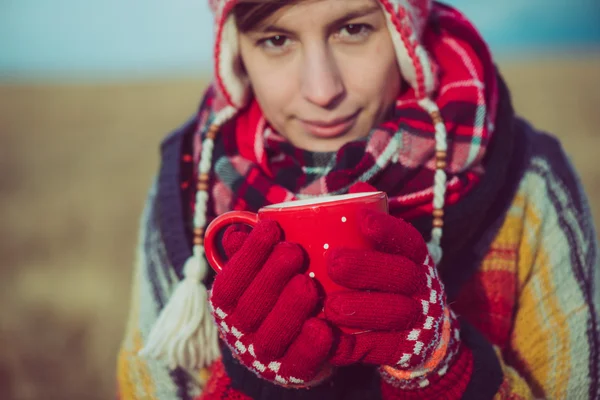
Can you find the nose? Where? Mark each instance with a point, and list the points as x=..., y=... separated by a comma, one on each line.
x=322, y=83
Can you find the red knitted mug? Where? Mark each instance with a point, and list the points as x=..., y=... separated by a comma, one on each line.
x=318, y=225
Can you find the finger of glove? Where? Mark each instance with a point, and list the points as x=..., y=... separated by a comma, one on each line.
x=233, y=240
x=308, y=353
x=285, y=262
x=283, y=324
x=374, y=270
x=242, y=267
x=371, y=310
x=393, y=235
x=377, y=348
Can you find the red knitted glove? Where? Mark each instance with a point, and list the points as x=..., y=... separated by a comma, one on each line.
x=264, y=308
x=399, y=301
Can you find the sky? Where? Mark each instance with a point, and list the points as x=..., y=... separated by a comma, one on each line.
x=133, y=38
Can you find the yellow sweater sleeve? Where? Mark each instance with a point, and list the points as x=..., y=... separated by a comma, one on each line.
x=553, y=347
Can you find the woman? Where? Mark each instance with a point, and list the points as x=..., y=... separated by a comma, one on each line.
x=317, y=97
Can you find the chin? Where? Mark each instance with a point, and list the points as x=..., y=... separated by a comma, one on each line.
x=324, y=145
x=307, y=141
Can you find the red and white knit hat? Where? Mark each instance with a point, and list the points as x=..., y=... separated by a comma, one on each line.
x=184, y=334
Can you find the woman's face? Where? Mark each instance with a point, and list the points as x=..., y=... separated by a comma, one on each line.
x=323, y=71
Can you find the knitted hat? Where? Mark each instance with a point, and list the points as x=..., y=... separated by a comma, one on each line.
x=184, y=334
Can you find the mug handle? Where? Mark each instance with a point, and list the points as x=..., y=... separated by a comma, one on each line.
x=217, y=225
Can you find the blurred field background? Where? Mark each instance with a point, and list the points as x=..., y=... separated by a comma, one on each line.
x=82, y=111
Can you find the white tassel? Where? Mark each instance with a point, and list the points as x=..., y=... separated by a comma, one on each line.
x=184, y=334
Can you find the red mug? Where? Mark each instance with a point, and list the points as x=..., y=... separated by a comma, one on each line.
x=318, y=225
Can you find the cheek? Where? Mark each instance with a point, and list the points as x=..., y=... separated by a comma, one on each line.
x=272, y=86
x=375, y=78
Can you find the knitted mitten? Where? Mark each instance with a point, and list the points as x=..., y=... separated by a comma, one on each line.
x=397, y=302
x=264, y=307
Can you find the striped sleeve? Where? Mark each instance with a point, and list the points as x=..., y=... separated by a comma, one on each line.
x=139, y=377
x=553, y=350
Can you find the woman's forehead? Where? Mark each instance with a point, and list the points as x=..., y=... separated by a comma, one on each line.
x=309, y=14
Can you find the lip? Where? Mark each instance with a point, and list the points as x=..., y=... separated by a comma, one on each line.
x=329, y=129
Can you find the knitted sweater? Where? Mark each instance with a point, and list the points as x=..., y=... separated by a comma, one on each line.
x=526, y=291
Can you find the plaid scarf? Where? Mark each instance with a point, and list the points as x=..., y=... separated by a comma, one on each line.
x=255, y=166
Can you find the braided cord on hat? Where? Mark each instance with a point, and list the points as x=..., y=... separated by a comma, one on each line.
x=404, y=37
x=439, y=180
x=184, y=335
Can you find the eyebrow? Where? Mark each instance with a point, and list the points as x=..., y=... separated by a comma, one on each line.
x=359, y=12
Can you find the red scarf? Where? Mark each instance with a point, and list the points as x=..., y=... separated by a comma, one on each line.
x=255, y=166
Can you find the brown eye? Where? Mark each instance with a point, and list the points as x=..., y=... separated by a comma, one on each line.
x=354, y=29
x=278, y=40
x=275, y=41
x=277, y=44
x=355, y=32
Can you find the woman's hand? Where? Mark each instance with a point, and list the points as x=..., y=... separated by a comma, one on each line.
x=396, y=297
x=263, y=305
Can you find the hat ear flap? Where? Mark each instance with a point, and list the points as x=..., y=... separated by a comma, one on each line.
x=406, y=22
x=230, y=75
